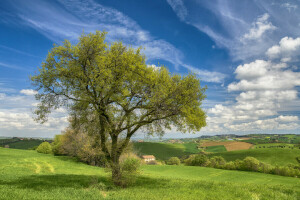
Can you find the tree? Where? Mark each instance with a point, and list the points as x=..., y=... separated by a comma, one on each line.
x=110, y=88
x=173, y=161
x=45, y=148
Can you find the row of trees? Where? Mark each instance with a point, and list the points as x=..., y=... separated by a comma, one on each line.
x=247, y=164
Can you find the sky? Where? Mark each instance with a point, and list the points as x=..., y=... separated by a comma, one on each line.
x=246, y=53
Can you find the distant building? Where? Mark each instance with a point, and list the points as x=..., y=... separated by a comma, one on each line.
x=140, y=140
x=148, y=158
x=6, y=146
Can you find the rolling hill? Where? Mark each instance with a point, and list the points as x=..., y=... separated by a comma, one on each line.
x=29, y=175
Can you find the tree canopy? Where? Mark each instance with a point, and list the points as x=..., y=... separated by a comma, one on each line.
x=111, y=89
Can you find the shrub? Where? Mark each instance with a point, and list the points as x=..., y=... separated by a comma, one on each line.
x=197, y=160
x=57, y=145
x=173, y=161
x=130, y=165
x=298, y=158
x=152, y=162
x=250, y=164
x=265, y=168
x=230, y=165
x=44, y=147
x=217, y=162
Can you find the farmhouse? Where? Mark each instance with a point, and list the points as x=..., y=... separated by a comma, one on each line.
x=148, y=158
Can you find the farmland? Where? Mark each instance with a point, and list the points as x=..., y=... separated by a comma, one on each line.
x=29, y=175
x=164, y=151
x=229, y=145
x=272, y=156
x=17, y=143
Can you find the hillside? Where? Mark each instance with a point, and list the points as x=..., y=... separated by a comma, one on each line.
x=274, y=156
x=29, y=175
x=164, y=151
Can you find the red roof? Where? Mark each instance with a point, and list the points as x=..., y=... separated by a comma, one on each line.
x=148, y=156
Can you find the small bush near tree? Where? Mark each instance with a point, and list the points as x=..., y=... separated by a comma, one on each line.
x=197, y=160
x=45, y=148
x=173, y=161
x=129, y=164
x=250, y=164
x=217, y=162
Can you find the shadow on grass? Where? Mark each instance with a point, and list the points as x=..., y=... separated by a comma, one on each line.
x=49, y=182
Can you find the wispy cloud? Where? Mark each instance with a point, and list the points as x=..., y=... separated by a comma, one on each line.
x=78, y=16
x=17, y=51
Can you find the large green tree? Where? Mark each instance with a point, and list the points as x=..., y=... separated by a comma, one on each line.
x=110, y=87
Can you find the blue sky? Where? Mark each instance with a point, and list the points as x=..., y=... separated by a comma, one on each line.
x=246, y=52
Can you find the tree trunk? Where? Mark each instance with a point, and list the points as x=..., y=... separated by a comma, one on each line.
x=116, y=174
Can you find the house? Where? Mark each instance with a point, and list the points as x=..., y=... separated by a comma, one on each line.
x=148, y=158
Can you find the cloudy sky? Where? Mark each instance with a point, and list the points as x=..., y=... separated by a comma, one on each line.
x=246, y=52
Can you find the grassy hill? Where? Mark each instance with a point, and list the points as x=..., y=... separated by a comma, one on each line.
x=272, y=156
x=20, y=144
x=29, y=175
x=164, y=151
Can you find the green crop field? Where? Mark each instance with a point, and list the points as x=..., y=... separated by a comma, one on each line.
x=216, y=149
x=272, y=156
x=29, y=175
x=25, y=144
x=164, y=151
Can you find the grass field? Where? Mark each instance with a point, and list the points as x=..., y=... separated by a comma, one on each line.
x=20, y=144
x=164, y=151
x=272, y=156
x=216, y=149
x=29, y=175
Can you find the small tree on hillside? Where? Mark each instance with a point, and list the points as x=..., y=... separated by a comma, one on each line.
x=110, y=87
x=44, y=147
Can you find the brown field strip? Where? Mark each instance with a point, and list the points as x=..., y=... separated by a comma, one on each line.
x=230, y=146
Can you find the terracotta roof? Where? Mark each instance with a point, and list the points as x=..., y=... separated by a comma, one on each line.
x=148, y=156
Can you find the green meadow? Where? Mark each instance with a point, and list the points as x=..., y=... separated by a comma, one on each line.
x=215, y=149
x=164, y=151
x=29, y=175
x=273, y=156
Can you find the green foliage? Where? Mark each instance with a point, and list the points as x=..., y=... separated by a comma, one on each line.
x=173, y=161
x=79, y=144
x=298, y=159
x=250, y=164
x=68, y=179
x=217, y=162
x=57, y=145
x=197, y=160
x=109, y=88
x=45, y=148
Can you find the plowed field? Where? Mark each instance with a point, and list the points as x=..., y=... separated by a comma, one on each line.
x=230, y=146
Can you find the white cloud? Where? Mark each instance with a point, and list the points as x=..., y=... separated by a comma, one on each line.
x=287, y=48
x=28, y=92
x=265, y=88
x=289, y=6
x=179, y=8
x=207, y=76
x=264, y=75
x=261, y=26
